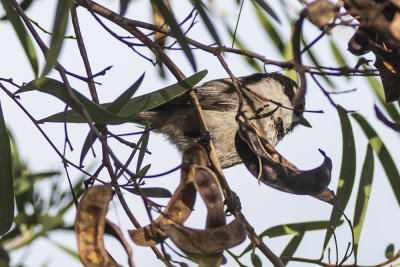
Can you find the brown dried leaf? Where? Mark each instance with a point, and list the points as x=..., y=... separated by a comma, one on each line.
x=89, y=227
x=320, y=12
x=274, y=170
x=390, y=79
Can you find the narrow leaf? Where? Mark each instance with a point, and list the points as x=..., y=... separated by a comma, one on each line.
x=364, y=190
x=267, y=9
x=22, y=34
x=123, y=6
x=347, y=171
x=133, y=107
x=97, y=113
x=291, y=248
x=389, y=252
x=151, y=192
x=291, y=228
x=69, y=251
x=176, y=30
x=251, y=61
x=59, y=28
x=390, y=108
x=337, y=54
x=114, y=107
x=6, y=179
x=142, y=149
x=383, y=154
x=316, y=63
x=270, y=29
x=255, y=260
x=203, y=14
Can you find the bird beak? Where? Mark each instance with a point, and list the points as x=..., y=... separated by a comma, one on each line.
x=304, y=122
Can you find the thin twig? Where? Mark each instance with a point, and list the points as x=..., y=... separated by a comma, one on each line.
x=82, y=50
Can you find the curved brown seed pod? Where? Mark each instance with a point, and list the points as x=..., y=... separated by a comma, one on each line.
x=89, y=227
x=209, y=241
x=181, y=203
x=276, y=171
x=206, y=183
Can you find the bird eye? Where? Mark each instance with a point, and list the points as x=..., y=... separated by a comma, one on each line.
x=299, y=109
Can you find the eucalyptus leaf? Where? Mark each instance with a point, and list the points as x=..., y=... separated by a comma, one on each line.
x=364, y=190
x=270, y=29
x=268, y=9
x=255, y=260
x=251, y=61
x=176, y=30
x=23, y=35
x=123, y=6
x=151, y=192
x=347, y=171
x=338, y=55
x=114, y=107
x=383, y=154
x=59, y=28
x=291, y=248
x=133, y=107
x=6, y=179
x=291, y=228
x=142, y=150
x=390, y=108
x=203, y=14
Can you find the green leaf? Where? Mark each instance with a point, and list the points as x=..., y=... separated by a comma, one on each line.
x=315, y=61
x=251, y=61
x=114, y=107
x=151, y=192
x=288, y=55
x=337, y=54
x=267, y=9
x=255, y=260
x=203, y=14
x=383, y=154
x=142, y=149
x=389, y=252
x=347, y=172
x=364, y=190
x=270, y=29
x=123, y=6
x=291, y=248
x=390, y=108
x=97, y=113
x=6, y=179
x=142, y=172
x=26, y=182
x=133, y=107
x=294, y=228
x=23, y=36
x=176, y=30
x=290, y=229
x=70, y=252
x=59, y=28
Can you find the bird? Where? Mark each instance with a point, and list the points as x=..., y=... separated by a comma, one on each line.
x=219, y=101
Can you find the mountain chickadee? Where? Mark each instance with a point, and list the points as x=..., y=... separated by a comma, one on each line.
x=219, y=102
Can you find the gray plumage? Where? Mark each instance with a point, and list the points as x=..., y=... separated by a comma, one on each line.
x=219, y=101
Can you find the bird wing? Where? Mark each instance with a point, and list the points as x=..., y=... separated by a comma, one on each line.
x=213, y=95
